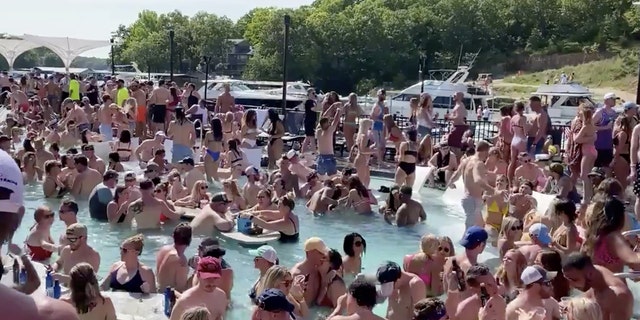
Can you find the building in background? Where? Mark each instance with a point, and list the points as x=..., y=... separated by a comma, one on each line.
x=239, y=53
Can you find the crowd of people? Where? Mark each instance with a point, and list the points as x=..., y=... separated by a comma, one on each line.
x=577, y=242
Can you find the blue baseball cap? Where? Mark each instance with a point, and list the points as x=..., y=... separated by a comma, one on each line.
x=540, y=232
x=629, y=105
x=474, y=236
x=274, y=300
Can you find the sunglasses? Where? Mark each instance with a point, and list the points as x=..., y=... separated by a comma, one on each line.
x=526, y=160
x=514, y=228
x=444, y=249
x=204, y=187
x=158, y=191
x=49, y=216
x=129, y=179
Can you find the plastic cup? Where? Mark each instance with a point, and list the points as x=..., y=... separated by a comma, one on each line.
x=540, y=313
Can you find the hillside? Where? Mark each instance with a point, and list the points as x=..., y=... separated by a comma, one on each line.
x=618, y=74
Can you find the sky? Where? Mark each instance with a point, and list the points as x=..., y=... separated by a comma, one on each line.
x=96, y=19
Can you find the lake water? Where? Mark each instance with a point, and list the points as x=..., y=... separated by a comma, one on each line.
x=384, y=242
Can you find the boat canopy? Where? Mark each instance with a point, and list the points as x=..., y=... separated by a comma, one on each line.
x=567, y=90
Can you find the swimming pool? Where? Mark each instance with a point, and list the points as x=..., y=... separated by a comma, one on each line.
x=384, y=241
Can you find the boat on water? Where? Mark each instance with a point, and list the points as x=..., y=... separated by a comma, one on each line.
x=246, y=96
x=442, y=92
x=563, y=100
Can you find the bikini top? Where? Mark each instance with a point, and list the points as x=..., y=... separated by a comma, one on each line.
x=425, y=277
x=290, y=237
x=602, y=255
x=132, y=286
x=493, y=207
x=410, y=152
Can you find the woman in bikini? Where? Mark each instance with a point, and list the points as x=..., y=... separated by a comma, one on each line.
x=352, y=112
x=361, y=161
x=249, y=129
x=114, y=162
x=123, y=146
x=428, y=264
x=276, y=132
x=358, y=197
x=510, y=232
x=283, y=220
x=586, y=137
x=117, y=207
x=496, y=165
x=213, y=146
x=519, y=140
x=408, y=156
x=394, y=133
x=497, y=208
x=566, y=238
x=238, y=203
x=161, y=192
x=30, y=171
x=198, y=197
x=52, y=186
x=622, y=145
x=227, y=126
x=129, y=274
x=354, y=247
x=235, y=158
x=85, y=295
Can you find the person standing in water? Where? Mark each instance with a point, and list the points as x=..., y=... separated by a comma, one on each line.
x=326, y=161
x=158, y=106
x=310, y=121
x=377, y=113
x=183, y=134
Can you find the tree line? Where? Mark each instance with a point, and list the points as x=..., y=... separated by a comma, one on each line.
x=354, y=45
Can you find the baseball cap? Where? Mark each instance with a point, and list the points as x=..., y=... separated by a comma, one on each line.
x=265, y=252
x=77, y=230
x=541, y=232
x=473, y=236
x=209, y=267
x=4, y=138
x=251, y=170
x=160, y=134
x=11, y=184
x=292, y=153
x=629, y=105
x=610, y=95
x=220, y=197
x=188, y=160
x=315, y=243
x=535, y=273
x=274, y=300
x=596, y=171
x=151, y=167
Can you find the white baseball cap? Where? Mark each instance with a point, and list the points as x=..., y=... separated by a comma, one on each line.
x=265, y=252
x=535, y=273
x=11, y=184
x=292, y=153
x=610, y=95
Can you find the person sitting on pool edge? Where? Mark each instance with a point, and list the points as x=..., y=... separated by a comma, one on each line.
x=445, y=163
x=410, y=211
x=102, y=195
x=207, y=293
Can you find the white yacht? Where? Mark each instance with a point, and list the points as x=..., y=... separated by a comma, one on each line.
x=563, y=100
x=442, y=92
x=246, y=96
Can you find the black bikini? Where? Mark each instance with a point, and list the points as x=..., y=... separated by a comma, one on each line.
x=408, y=167
x=286, y=238
x=132, y=286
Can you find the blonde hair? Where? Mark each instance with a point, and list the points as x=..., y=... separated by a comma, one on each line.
x=521, y=264
x=233, y=186
x=271, y=278
x=365, y=125
x=84, y=287
x=131, y=102
x=581, y=308
x=449, y=242
x=507, y=223
x=137, y=242
x=429, y=244
x=196, y=313
x=195, y=191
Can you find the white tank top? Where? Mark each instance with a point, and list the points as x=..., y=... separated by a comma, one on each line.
x=203, y=112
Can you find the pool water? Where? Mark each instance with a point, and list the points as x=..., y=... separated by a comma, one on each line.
x=384, y=242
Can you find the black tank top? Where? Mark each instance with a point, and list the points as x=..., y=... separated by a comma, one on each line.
x=191, y=100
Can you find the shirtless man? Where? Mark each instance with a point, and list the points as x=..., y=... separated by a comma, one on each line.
x=474, y=173
x=19, y=99
x=359, y=302
x=402, y=288
x=474, y=241
x=458, y=118
x=251, y=188
x=315, y=253
x=207, y=293
x=540, y=240
x=147, y=210
x=68, y=214
x=540, y=127
x=479, y=276
x=528, y=170
x=87, y=178
x=141, y=108
x=297, y=167
x=192, y=174
x=53, y=94
x=213, y=217
x=171, y=262
x=326, y=161
x=537, y=293
x=105, y=117
x=76, y=252
x=42, y=155
x=324, y=199
x=598, y=283
x=410, y=211
x=291, y=180
x=94, y=162
x=158, y=106
x=22, y=306
x=183, y=134
x=225, y=102
x=77, y=115
x=145, y=151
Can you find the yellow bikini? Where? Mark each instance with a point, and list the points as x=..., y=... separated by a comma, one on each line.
x=493, y=209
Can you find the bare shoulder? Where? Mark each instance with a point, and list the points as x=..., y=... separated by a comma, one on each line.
x=416, y=282
x=50, y=309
